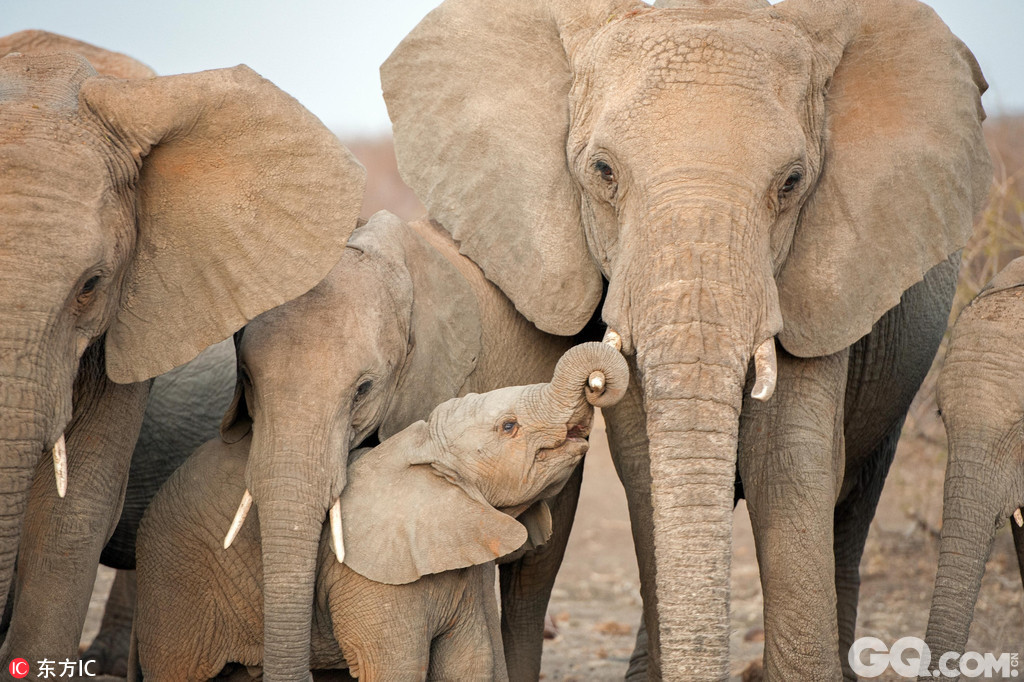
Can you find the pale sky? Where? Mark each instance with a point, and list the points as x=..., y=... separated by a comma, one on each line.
x=326, y=52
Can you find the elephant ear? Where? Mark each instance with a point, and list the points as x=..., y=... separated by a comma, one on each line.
x=537, y=521
x=244, y=200
x=404, y=519
x=905, y=166
x=445, y=336
x=106, y=63
x=1010, y=277
x=237, y=421
x=478, y=99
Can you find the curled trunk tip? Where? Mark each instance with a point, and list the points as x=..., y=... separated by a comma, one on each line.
x=595, y=369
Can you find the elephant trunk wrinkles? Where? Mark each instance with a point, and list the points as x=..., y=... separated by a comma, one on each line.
x=292, y=496
x=969, y=522
x=694, y=340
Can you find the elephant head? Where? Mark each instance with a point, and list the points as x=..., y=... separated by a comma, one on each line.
x=144, y=219
x=733, y=172
x=392, y=331
x=982, y=406
x=442, y=493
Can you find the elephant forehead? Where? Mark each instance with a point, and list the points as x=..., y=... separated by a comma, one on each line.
x=670, y=49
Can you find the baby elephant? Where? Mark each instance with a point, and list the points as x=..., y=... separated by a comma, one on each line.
x=981, y=395
x=425, y=514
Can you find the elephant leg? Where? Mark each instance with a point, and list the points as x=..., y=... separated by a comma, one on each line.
x=110, y=647
x=61, y=539
x=627, y=440
x=791, y=464
x=852, y=521
x=526, y=587
x=472, y=649
x=1018, y=543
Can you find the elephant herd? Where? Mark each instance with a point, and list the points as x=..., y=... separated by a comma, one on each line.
x=734, y=226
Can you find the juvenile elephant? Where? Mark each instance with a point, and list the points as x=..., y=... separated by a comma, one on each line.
x=143, y=219
x=724, y=173
x=981, y=397
x=401, y=324
x=426, y=513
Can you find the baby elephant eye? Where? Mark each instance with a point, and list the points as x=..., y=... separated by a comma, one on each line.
x=509, y=426
x=363, y=388
x=607, y=174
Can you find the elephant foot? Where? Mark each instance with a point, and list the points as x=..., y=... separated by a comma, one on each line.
x=110, y=651
x=753, y=672
x=550, y=627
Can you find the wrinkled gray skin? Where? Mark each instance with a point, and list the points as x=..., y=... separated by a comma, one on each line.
x=184, y=411
x=733, y=172
x=141, y=220
x=981, y=397
x=402, y=323
x=426, y=513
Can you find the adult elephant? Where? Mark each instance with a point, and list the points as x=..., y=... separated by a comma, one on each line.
x=143, y=219
x=732, y=172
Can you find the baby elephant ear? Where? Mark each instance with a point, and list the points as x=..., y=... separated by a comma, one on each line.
x=106, y=63
x=403, y=519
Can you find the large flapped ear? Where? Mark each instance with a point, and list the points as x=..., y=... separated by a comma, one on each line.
x=407, y=520
x=478, y=99
x=905, y=167
x=446, y=335
x=244, y=200
x=237, y=420
x=106, y=63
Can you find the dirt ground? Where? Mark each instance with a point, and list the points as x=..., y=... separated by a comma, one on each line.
x=596, y=601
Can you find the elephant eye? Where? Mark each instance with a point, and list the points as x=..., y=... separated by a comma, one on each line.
x=363, y=388
x=607, y=174
x=86, y=291
x=510, y=427
x=791, y=182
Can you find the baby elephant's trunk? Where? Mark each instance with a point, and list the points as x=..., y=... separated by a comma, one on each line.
x=594, y=370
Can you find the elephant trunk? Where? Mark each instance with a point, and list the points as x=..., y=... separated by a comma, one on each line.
x=971, y=513
x=593, y=371
x=293, y=487
x=694, y=336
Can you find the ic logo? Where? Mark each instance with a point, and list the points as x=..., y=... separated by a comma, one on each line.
x=19, y=668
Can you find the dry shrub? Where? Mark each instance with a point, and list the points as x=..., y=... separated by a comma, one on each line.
x=998, y=238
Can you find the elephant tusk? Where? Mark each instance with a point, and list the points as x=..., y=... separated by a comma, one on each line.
x=596, y=381
x=766, y=366
x=339, y=546
x=1019, y=518
x=60, y=465
x=612, y=338
x=236, y=523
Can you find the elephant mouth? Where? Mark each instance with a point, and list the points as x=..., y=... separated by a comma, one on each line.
x=578, y=432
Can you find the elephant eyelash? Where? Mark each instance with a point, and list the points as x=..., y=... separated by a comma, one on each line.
x=509, y=427
x=363, y=389
x=87, y=290
x=605, y=171
x=791, y=182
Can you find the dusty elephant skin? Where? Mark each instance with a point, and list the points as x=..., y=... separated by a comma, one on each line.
x=981, y=397
x=734, y=172
x=426, y=514
x=399, y=325
x=144, y=218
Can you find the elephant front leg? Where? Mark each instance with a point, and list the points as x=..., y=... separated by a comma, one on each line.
x=526, y=585
x=61, y=539
x=791, y=463
x=630, y=450
x=110, y=647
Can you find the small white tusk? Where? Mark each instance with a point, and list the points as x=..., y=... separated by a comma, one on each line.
x=339, y=546
x=236, y=523
x=60, y=465
x=596, y=381
x=767, y=370
x=612, y=338
x=1019, y=518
